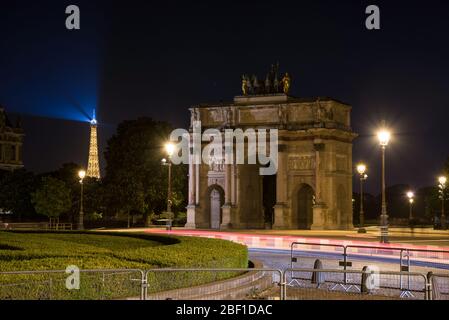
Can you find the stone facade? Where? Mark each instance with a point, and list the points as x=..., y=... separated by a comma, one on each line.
x=11, y=140
x=313, y=185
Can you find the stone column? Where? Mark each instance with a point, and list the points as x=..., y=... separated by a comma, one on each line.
x=261, y=208
x=320, y=208
x=16, y=149
x=280, y=218
x=191, y=208
x=234, y=185
x=238, y=199
x=197, y=184
x=192, y=181
x=226, y=209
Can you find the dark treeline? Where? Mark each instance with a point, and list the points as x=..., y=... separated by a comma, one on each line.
x=426, y=207
x=133, y=191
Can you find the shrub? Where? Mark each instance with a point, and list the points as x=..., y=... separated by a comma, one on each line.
x=89, y=250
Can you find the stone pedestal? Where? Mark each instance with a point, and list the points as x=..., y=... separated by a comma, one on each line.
x=319, y=212
x=191, y=217
x=279, y=217
x=226, y=219
x=347, y=226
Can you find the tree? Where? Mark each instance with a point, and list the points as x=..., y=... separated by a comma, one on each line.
x=397, y=201
x=428, y=204
x=52, y=198
x=92, y=194
x=15, y=193
x=135, y=181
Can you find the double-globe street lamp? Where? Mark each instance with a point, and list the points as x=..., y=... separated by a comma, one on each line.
x=81, y=175
x=411, y=201
x=361, y=169
x=442, y=190
x=384, y=137
x=169, y=149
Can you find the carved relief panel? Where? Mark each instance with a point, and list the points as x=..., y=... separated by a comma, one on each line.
x=302, y=162
x=342, y=162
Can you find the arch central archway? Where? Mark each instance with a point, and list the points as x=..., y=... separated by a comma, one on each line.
x=304, y=207
x=215, y=209
x=214, y=206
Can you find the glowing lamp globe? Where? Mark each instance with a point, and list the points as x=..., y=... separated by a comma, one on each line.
x=170, y=149
x=384, y=137
x=81, y=174
x=361, y=169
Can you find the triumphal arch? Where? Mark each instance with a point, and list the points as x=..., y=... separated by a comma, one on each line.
x=312, y=188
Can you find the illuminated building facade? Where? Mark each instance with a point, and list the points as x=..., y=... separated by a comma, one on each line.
x=11, y=141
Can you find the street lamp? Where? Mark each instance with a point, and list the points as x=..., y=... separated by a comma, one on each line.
x=361, y=169
x=170, y=149
x=81, y=175
x=442, y=186
x=384, y=138
x=411, y=200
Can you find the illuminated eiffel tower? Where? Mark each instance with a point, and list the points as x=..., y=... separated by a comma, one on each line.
x=93, y=165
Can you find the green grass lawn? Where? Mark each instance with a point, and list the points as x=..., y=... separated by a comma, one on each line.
x=21, y=251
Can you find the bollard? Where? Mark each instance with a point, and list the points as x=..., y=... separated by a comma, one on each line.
x=318, y=277
x=367, y=273
x=431, y=288
x=144, y=286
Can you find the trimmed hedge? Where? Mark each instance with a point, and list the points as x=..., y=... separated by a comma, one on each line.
x=94, y=250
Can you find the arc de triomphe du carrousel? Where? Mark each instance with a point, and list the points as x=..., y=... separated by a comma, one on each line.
x=312, y=188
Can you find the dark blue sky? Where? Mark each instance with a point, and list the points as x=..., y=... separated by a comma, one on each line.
x=144, y=58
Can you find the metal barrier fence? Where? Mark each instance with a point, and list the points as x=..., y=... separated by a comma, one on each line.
x=321, y=284
x=224, y=284
x=36, y=226
x=153, y=284
x=339, y=250
x=221, y=284
x=52, y=285
x=439, y=284
x=405, y=258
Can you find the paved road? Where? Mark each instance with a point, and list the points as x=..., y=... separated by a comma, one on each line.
x=421, y=237
x=280, y=259
x=271, y=246
x=418, y=237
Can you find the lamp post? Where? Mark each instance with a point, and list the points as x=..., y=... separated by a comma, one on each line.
x=170, y=149
x=442, y=186
x=81, y=175
x=361, y=169
x=411, y=201
x=384, y=138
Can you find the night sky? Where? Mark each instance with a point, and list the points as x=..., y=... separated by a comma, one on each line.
x=145, y=58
